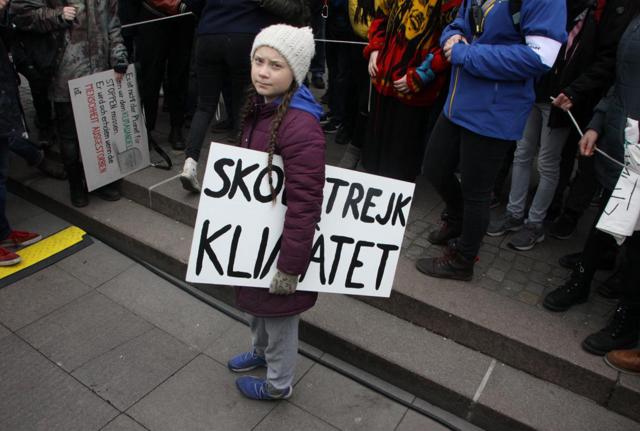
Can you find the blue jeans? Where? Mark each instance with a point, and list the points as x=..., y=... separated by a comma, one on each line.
x=548, y=143
x=26, y=149
x=4, y=159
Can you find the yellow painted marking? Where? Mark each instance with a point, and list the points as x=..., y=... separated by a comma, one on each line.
x=44, y=249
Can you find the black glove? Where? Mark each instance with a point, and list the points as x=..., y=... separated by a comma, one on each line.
x=121, y=67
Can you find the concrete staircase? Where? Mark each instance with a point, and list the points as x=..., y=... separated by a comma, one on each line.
x=499, y=363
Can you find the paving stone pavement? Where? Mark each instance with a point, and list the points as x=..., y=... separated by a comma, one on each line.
x=97, y=342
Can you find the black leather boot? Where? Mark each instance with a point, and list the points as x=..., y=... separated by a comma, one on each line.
x=574, y=291
x=176, y=139
x=620, y=333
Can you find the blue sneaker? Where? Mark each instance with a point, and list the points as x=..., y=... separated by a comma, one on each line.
x=246, y=361
x=260, y=389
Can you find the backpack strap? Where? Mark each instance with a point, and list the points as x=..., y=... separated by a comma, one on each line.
x=514, y=11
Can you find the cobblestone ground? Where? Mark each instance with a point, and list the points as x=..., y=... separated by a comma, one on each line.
x=521, y=276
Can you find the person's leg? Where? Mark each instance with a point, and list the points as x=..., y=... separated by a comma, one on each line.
x=282, y=351
x=179, y=58
x=70, y=152
x=318, y=61
x=5, y=229
x=503, y=174
x=551, y=142
x=210, y=71
x=526, y=149
x=441, y=159
x=239, y=66
x=622, y=330
x=576, y=289
x=151, y=51
x=44, y=111
x=567, y=163
x=259, y=336
x=551, y=145
x=480, y=160
x=26, y=149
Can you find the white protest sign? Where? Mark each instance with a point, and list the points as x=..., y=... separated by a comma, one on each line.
x=238, y=228
x=110, y=125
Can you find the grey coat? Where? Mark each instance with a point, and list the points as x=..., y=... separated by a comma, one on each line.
x=91, y=44
x=622, y=102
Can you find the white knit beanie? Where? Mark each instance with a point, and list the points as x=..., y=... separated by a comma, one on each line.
x=295, y=44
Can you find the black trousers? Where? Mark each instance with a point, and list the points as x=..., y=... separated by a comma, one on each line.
x=161, y=46
x=358, y=88
x=67, y=135
x=467, y=200
x=219, y=58
x=583, y=185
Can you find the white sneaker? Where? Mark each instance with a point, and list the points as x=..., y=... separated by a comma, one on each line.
x=188, y=177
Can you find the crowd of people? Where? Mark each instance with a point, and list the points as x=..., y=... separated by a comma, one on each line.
x=514, y=70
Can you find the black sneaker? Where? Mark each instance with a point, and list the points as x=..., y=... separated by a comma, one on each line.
x=563, y=227
x=504, y=224
x=332, y=126
x=620, y=333
x=452, y=265
x=573, y=292
x=606, y=263
x=110, y=192
x=527, y=238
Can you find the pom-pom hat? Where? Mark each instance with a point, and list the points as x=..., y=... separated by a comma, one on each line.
x=295, y=44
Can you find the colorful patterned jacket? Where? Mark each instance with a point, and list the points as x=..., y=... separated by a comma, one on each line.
x=405, y=32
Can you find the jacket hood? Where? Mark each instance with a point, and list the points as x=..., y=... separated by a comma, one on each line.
x=304, y=101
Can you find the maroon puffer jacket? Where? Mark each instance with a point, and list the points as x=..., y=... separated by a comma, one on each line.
x=301, y=144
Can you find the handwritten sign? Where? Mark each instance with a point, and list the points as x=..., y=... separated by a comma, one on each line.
x=110, y=125
x=237, y=234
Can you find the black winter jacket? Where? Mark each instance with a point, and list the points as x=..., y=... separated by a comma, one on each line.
x=589, y=71
x=622, y=102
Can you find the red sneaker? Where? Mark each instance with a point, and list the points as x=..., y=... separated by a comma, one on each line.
x=8, y=258
x=18, y=238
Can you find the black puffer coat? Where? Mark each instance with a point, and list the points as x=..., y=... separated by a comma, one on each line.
x=622, y=102
x=589, y=70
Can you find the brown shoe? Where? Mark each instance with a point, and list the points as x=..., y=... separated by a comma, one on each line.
x=627, y=361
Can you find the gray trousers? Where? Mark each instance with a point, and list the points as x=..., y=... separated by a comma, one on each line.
x=548, y=143
x=276, y=339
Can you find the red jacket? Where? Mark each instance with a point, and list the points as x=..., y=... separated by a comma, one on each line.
x=404, y=33
x=301, y=144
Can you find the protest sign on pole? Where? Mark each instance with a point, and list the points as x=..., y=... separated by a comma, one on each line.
x=110, y=125
x=238, y=227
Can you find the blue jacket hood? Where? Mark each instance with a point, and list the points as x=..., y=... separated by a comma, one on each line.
x=304, y=101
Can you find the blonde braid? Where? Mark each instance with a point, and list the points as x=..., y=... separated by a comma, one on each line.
x=247, y=109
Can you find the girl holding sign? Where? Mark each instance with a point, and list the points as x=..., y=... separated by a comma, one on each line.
x=282, y=117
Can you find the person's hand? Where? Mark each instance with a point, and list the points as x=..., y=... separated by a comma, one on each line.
x=373, y=64
x=401, y=85
x=3, y=4
x=283, y=283
x=69, y=13
x=587, y=143
x=448, y=45
x=120, y=69
x=562, y=102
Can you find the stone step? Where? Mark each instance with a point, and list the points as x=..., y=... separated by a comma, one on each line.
x=470, y=382
x=526, y=337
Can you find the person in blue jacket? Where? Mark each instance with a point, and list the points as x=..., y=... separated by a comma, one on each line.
x=497, y=48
